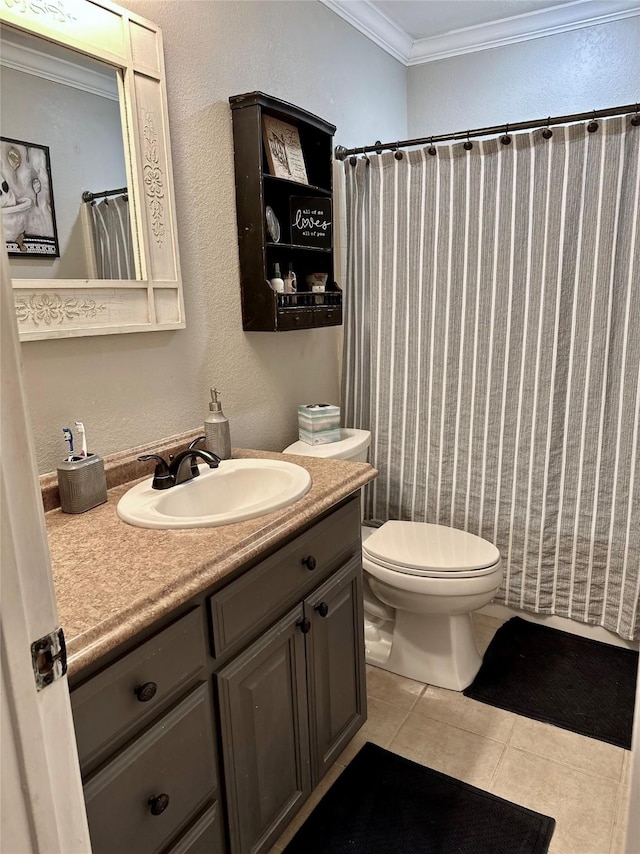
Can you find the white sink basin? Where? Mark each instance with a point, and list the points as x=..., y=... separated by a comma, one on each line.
x=236, y=490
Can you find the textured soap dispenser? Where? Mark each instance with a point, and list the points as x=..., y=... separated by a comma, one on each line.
x=216, y=429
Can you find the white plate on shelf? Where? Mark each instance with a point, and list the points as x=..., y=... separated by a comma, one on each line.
x=273, y=226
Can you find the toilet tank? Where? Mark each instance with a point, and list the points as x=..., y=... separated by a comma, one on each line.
x=353, y=445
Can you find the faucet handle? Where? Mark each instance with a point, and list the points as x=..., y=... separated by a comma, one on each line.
x=195, y=471
x=162, y=477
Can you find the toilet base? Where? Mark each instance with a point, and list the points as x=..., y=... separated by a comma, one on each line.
x=433, y=648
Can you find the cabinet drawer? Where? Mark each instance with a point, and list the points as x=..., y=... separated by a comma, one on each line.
x=112, y=702
x=173, y=759
x=328, y=315
x=292, y=318
x=205, y=836
x=252, y=602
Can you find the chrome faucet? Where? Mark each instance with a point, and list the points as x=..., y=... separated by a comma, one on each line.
x=181, y=468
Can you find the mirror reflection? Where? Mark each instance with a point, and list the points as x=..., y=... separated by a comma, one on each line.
x=61, y=129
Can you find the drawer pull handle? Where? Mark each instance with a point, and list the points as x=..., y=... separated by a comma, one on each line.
x=146, y=692
x=305, y=625
x=322, y=609
x=309, y=562
x=158, y=803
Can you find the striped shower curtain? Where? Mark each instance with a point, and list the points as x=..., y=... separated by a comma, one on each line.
x=492, y=346
x=111, y=251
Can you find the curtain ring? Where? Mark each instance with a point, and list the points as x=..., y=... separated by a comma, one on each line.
x=635, y=121
x=468, y=144
x=506, y=139
x=364, y=156
x=353, y=160
x=592, y=127
x=397, y=153
x=432, y=150
x=547, y=133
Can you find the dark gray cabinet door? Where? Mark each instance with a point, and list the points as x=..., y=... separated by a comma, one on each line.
x=335, y=665
x=265, y=735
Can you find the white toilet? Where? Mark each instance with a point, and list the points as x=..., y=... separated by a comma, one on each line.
x=421, y=583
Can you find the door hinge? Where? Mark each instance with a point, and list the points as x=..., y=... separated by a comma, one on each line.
x=49, y=658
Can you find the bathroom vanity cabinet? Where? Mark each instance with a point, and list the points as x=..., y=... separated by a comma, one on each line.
x=147, y=741
x=269, y=206
x=208, y=731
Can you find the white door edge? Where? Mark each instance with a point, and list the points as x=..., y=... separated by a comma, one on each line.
x=42, y=805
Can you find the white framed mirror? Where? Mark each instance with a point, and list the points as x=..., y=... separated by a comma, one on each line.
x=43, y=180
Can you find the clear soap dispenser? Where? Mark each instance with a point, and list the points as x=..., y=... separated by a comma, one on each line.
x=216, y=429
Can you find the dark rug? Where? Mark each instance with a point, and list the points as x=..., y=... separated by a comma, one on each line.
x=385, y=804
x=562, y=679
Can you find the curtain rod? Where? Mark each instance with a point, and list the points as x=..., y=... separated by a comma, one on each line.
x=88, y=196
x=341, y=152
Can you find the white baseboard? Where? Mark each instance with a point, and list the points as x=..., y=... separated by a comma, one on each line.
x=597, y=633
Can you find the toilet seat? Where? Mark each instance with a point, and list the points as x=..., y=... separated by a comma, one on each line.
x=430, y=551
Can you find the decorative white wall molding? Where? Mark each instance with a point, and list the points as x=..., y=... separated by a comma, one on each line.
x=374, y=25
x=39, y=63
x=36, y=309
x=520, y=28
x=366, y=18
x=153, y=179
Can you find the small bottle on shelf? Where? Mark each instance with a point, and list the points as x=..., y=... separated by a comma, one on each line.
x=290, y=281
x=277, y=282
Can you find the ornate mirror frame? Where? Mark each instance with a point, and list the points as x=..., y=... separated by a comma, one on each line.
x=61, y=308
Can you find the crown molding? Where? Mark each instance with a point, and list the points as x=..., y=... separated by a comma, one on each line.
x=373, y=24
x=39, y=63
x=520, y=28
x=366, y=18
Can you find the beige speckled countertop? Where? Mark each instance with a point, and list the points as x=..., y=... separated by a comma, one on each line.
x=112, y=580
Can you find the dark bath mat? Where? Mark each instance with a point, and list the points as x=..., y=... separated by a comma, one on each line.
x=572, y=682
x=385, y=804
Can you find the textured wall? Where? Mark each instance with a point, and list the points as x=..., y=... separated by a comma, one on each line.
x=587, y=69
x=132, y=389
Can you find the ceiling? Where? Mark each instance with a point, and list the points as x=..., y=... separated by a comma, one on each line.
x=422, y=20
x=417, y=31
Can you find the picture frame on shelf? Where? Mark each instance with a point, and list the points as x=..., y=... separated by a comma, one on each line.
x=284, y=151
x=26, y=200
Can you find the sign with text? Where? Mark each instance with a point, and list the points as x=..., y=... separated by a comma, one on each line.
x=311, y=222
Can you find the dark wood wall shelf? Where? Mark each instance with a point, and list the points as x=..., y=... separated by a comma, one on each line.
x=264, y=310
x=294, y=186
x=294, y=246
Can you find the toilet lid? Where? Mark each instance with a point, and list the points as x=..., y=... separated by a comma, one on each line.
x=352, y=441
x=420, y=547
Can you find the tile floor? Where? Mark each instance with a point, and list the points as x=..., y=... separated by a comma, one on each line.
x=581, y=782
